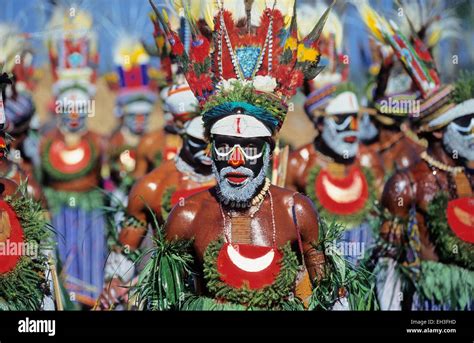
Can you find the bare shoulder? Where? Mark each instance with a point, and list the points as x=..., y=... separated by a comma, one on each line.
x=148, y=187
x=301, y=154
x=289, y=197
x=180, y=223
x=151, y=138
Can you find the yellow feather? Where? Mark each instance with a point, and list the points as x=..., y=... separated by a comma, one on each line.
x=374, y=22
x=177, y=5
x=434, y=38
x=209, y=10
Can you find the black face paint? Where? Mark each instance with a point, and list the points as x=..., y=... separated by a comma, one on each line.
x=239, y=151
x=340, y=135
x=464, y=123
x=195, y=149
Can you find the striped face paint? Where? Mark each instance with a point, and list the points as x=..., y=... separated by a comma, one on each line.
x=341, y=134
x=240, y=166
x=458, y=137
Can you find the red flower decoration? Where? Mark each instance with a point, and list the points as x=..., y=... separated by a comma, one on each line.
x=199, y=84
x=177, y=47
x=199, y=49
x=10, y=221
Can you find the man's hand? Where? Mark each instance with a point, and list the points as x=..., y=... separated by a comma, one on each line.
x=115, y=292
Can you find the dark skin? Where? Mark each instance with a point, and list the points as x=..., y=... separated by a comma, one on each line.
x=395, y=150
x=401, y=193
x=200, y=210
x=150, y=145
x=149, y=191
x=186, y=222
x=118, y=141
x=302, y=161
x=147, y=194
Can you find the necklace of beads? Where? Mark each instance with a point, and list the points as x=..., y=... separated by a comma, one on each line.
x=227, y=224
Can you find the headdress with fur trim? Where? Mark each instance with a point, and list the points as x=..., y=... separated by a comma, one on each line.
x=461, y=103
x=332, y=99
x=257, y=63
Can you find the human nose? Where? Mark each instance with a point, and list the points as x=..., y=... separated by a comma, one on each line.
x=236, y=158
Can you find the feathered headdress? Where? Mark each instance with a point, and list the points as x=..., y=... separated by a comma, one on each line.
x=136, y=90
x=330, y=44
x=430, y=20
x=254, y=68
x=72, y=45
x=418, y=63
x=461, y=103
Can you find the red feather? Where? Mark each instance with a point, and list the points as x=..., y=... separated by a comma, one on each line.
x=177, y=47
x=199, y=49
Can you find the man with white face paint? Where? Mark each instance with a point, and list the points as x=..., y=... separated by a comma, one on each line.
x=159, y=191
x=330, y=171
x=431, y=207
x=71, y=160
x=245, y=240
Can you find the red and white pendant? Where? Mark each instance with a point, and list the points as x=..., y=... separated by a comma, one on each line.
x=11, y=238
x=342, y=196
x=250, y=265
x=460, y=216
x=69, y=160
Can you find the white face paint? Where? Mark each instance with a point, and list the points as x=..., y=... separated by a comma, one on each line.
x=336, y=137
x=459, y=140
x=238, y=196
x=367, y=129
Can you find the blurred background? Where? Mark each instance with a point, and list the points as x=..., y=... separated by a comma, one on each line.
x=113, y=18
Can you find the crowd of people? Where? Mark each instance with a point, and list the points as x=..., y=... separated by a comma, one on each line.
x=214, y=210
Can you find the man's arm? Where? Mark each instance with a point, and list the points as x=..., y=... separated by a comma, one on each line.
x=307, y=220
x=295, y=171
x=141, y=166
x=143, y=196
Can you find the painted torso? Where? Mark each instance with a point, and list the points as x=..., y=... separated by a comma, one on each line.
x=339, y=190
x=420, y=185
x=74, y=168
